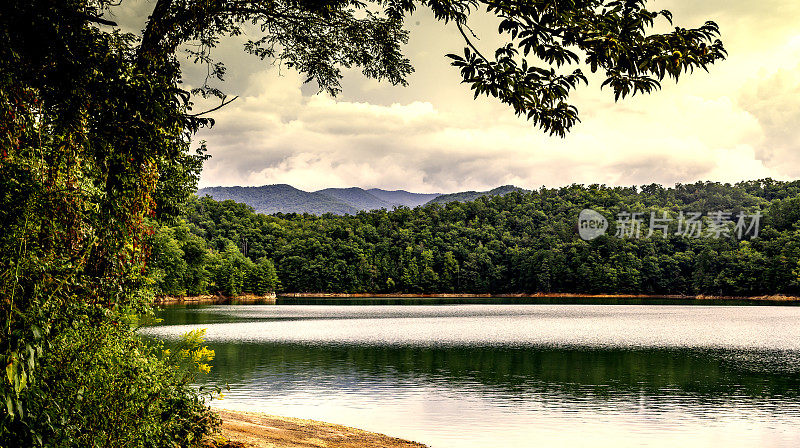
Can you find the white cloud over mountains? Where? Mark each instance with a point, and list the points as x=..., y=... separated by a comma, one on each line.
x=737, y=122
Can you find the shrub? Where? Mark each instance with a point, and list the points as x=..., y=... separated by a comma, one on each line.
x=106, y=386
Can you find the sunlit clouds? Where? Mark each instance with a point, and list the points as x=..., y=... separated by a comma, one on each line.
x=737, y=122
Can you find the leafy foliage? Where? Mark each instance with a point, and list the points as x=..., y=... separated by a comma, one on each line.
x=91, y=145
x=528, y=73
x=183, y=264
x=522, y=242
x=611, y=36
x=464, y=196
x=104, y=386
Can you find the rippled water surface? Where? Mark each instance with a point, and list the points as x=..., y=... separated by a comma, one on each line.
x=515, y=375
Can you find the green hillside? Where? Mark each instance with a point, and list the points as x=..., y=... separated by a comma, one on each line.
x=465, y=196
x=518, y=242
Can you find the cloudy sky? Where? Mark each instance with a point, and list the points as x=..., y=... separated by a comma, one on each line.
x=740, y=121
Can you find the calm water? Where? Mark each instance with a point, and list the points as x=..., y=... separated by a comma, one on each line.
x=515, y=375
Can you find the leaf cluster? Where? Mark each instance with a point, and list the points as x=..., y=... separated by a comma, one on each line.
x=608, y=36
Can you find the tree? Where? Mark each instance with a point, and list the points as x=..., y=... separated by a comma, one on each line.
x=428, y=278
x=233, y=272
x=197, y=258
x=450, y=272
x=264, y=278
x=167, y=266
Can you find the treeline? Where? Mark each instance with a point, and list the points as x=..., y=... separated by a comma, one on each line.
x=519, y=242
x=181, y=263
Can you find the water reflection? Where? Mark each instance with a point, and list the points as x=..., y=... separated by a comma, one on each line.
x=492, y=393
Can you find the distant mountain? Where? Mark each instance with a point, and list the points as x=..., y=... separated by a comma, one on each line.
x=466, y=196
x=402, y=197
x=357, y=197
x=280, y=198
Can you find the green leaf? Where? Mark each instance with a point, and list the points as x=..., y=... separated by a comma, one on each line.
x=10, y=371
x=22, y=381
x=10, y=406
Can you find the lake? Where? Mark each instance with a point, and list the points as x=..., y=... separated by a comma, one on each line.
x=510, y=375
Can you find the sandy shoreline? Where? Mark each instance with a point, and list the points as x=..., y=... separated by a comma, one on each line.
x=209, y=299
x=256, y=430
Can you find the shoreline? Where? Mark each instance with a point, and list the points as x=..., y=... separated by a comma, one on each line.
x=258, y=430
x=271, y=299
x=323, y=295
x=209, y=299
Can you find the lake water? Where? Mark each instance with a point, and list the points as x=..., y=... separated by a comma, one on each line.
x=481, y=375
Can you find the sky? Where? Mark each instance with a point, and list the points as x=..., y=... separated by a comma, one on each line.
x=739, y=122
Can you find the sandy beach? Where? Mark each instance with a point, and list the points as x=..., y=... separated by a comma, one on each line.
x=255, y=430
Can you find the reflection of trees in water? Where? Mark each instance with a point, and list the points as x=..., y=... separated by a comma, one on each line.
x=517, y=371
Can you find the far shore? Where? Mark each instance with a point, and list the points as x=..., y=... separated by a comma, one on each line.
x=272, y=298
x=209, y=299
x=256, y=430
x=540, y=295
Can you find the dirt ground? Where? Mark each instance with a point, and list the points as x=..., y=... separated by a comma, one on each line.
x=253, y=430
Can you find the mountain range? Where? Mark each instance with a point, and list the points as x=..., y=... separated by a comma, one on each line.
x=283, y=198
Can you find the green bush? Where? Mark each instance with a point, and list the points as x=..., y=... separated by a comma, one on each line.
x=105, y=386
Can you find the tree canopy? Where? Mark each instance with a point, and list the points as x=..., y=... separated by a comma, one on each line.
x=520, y=242
x=533, y=72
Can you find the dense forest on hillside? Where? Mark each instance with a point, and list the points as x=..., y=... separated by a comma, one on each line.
x=466, y=196
x=518, y=242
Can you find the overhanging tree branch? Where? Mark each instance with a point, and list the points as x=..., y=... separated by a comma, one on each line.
x=224, y=103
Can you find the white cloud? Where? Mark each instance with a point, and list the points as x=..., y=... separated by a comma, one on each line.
x=774, y=100
x=738, y=122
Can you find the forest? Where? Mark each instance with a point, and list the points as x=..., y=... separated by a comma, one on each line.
x=521, y=242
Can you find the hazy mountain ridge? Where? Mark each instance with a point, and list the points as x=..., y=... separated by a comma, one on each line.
x=466, y=196
x=280, y=198
x=283, y=198
x=358, y=198
x=403, y=197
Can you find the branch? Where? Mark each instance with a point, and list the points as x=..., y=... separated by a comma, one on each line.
x=156, y=29
x=478, y=52
x=95, y=19
x=224, y=103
